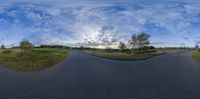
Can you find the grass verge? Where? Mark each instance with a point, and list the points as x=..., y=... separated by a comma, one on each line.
x=124, y=56
x=37, y=58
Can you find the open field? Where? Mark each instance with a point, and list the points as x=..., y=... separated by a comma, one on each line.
x=37, y=58
x=116, y=55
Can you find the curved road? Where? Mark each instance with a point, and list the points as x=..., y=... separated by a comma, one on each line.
x=171, y=76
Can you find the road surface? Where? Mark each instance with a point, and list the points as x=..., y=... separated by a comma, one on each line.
x=81, y=76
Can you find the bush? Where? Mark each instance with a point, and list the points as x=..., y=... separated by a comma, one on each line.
x=128, y=51
x=151, y=47
x=108, y=49
x=7, y=51
x=198, y=50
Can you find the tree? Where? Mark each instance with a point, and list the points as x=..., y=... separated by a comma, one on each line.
x=196, y=47
x=143, y=39
x=122, y=46
x=140, y=41
x=82, y=47
x=151, y=47
x=108, y=49
x=2, y=46
x=134, y=41
x=25, y=45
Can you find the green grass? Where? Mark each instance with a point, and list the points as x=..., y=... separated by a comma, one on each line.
x=196, y=55
x=124, y=56
x=37, y=58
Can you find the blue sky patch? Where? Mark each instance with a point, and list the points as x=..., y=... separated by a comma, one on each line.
x=71, y=23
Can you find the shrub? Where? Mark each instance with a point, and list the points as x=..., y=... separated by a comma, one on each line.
x=128, y=51
x=108, y=49
x=198, y=50
x=7, y=51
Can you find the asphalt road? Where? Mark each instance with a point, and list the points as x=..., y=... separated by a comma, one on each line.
x=172, y=76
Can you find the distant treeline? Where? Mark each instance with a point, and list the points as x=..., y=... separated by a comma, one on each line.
x=130, y=50
x=47, y=46
x=185, y=48
x=52, y=46
x=107, y=49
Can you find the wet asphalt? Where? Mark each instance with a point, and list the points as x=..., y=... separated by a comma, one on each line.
x=172, y=76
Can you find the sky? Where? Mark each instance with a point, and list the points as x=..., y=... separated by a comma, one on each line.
x=100, y=23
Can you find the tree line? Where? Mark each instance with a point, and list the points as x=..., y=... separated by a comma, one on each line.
x=138, y=42
x=26, y=46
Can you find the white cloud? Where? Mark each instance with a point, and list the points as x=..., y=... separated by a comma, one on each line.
x=104, y=24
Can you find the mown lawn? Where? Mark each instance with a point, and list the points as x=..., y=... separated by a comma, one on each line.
x=124, y=56
x=37, y=58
